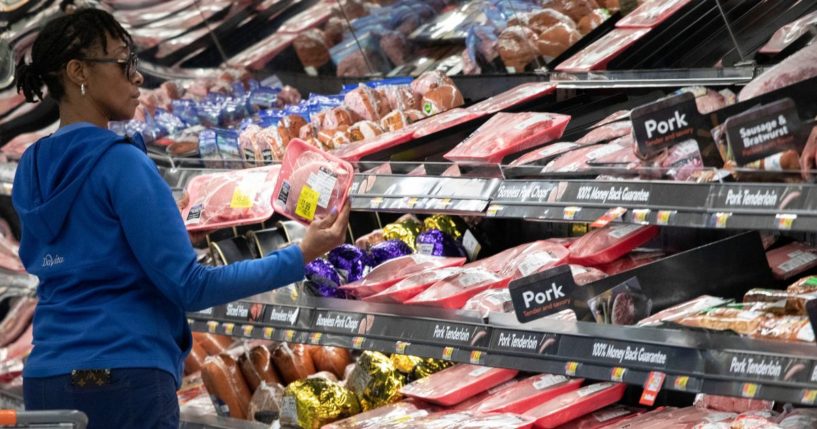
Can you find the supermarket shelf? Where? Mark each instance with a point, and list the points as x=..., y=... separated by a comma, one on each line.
x=661, y=78
x=696, y=362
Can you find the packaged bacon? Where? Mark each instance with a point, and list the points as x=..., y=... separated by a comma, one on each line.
x=791, y=260
x=508, y=133
x=604, y=417
x=222, y=200
x=602, y=51
x=456, y=384
x=575, y=404
x=605, y=245
x=394, y=270
x=651, y=13
x=544, y=154
x=527, y=394
x=409, y=287
x=537, y=257
x=514, y=97
x=311, y=183
x=456, y=290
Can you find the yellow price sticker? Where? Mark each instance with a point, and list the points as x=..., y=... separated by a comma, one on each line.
x=492, y=210
x=289, y=334
x=307, y=203
x=241, y=199
x=268, y=333
x=211, y=326
x=229, y=328
x=721, y=219
x=247, y=329
x=400, y=347
x=411, y=202
x=315, y=338
x=663, y=217
x=569, y=213
x=640, y=216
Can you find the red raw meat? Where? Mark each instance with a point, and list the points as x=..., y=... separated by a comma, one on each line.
x=456, y=384
x=258, y=55
x=394, y=270
x=305, y=167
x=603, y=418
x=791, y=260
x=577, y=160
x=651, y=13
x=508, y=133
x=731, y=404
x=606, y=133
x=470, y=403
x=613, y=117
x=602, y=51
x=490, y=301
x=443, y=121
x=528, y=393
x=799, y=418
x=631, y=261
x=455, y=291
x=800, y=66
x=219, y=200
x=428, y=81
x=409, y=287
x=575, y=404
x=537, y=257
x=544, y=154
x=623, y=157
x=142, y=16
x=514, y=96
x=20, y=348
x=788, y=34
x=605, y=245
x=497, y=263
x=584, y=275
x=466, y=420
x=673, y=418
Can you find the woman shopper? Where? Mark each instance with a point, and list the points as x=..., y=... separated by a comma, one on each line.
x=102, y=232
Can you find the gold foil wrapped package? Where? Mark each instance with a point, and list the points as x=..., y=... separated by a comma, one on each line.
x=314, y=402
x=405, y=363
x=406, y=231
x=375, y=381
x=429, y=366
x=446, y=224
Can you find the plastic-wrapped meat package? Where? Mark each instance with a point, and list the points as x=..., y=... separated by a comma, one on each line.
x=513, y=97
x=785, y=328
x=651, y=14
x=579, y=160
x=508, y=133
x=788, y=34
x=731, y=404
x=602, y=51
x=456, y=384
x=400, y=97
x=310, y=18
x=517, y=48
x=539, y=256
x=541, y=20
x=606, y=133
x=575, y=9
x=226, y=386
x=364, y=130
x=603, y=418
x=613, y=117
x=311, y=48
x=396, y=47
x=527, y=394
x=592, y=20
x=799, y=66
x=442, y=122
x=366, y=103
x=359, y=64
x=755, y=420
x=311, y=183
x=799, y=418
x=466, y=420
x=456, y=290
x=411, y=286
x=441, y=99
x=16, y=320
x=631, y=261
x=791, y=260
x=490, y=301
x=470, y=404
x=707, y=100
x=624, y=157
x=428, y=81
x=605, y=245
x=380, y=417
x=258, y=55
x=357, y=150
x=575, y=404
x=497, y=263
x=554, y=41
x=228, y=199
x=544, y=155
x=744, y=322
x=585, y=275
x=394, y=270
x=674, y=418
x=681, y=161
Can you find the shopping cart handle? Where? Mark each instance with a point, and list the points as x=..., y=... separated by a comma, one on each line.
x=26, y=418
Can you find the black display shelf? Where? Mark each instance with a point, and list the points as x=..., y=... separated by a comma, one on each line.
x=695, y=362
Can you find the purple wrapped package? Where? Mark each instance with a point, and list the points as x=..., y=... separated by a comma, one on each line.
x=350, y=262
x=386, y=250
x=324, y=278
x=434, y=242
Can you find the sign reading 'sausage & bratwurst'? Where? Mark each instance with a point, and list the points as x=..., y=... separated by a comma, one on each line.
x=764, y=131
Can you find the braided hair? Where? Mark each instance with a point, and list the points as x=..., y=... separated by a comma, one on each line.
x=64, y=39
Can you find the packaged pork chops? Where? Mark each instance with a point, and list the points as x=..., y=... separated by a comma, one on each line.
x=221, y=200
x=508, y=133
x=455, y=291
x=311, y=184
x=456, y=384
x=605, y=245
x=572, y=405
x=527, y=394
x=394, y=270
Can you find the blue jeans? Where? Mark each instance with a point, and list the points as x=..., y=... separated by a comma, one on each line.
x=134, y=399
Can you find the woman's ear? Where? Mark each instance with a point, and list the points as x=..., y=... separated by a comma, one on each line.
x=76, y=72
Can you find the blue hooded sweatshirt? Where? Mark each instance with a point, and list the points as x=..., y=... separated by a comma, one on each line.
x=101, y=230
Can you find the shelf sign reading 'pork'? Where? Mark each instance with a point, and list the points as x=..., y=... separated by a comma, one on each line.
x=661, y=124
x=543, y=294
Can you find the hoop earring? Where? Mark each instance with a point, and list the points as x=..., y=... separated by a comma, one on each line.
x=82, y=89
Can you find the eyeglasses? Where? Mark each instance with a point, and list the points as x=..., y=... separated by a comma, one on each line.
x=128, y=65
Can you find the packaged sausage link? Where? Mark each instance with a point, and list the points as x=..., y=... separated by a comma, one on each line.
x=293, y=362
x=226, y=386
x=331, y=359
x=256, y=366
x=311, y=184
x=528, y=393
x=575, y=404
x=458, y=383
x=314, y=402
x=605, y=245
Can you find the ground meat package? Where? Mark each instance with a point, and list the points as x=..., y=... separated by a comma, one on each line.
x=652, y=13
x=508, y=133
x=456, y=384
x=575, y=404
x=791, y=260
x=311, y=184
x=409, y=287
x=221, y=200
x=394, y=270
x=527, y=394
x=456, y=290
x=602, y=51
x=605, y=245
x=514, y=96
